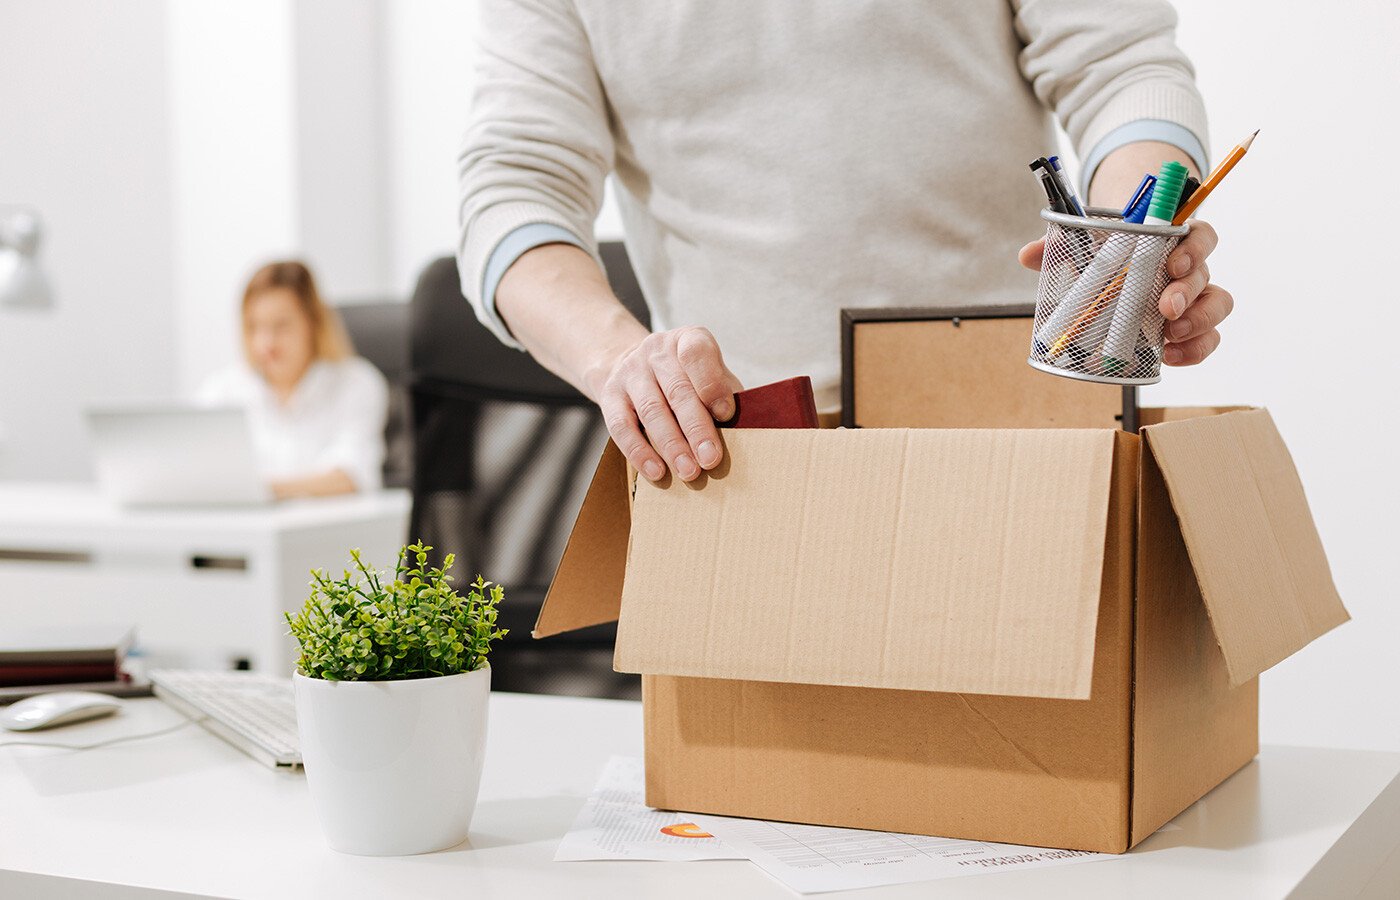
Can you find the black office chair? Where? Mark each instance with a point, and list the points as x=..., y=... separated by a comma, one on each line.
x=503, y=453
x=378, y=330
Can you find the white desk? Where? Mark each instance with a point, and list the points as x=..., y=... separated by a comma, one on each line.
x=203, y=586
x=186, y=813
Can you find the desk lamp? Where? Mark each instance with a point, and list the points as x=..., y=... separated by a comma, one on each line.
x=22, y=281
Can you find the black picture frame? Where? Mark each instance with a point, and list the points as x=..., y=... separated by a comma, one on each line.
x=850, y=318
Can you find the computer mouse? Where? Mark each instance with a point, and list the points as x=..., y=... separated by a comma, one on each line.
x=58, y=708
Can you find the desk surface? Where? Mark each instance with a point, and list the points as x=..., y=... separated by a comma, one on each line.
x=79, y=505
x=185, y=812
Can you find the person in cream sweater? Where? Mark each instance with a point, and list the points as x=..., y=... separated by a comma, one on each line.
x=776, y=161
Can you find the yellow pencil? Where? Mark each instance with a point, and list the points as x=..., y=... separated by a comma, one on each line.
x=1216, y=176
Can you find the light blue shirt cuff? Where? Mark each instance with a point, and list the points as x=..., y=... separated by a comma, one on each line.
x=1144, y=130
x=511, y=247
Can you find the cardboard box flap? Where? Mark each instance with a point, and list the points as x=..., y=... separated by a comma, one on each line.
x=587, y=586
x=958, y=560
x=1251, y=538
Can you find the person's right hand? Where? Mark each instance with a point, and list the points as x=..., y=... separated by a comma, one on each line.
x=662, y=398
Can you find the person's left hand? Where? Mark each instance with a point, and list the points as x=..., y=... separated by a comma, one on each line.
x=1192, y=306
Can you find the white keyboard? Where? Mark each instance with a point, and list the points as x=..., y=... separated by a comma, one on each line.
x=252, y=711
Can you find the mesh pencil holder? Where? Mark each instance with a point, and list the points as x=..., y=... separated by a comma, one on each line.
x=1096, y=313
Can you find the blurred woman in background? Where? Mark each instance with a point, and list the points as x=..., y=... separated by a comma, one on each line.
x=317, y=411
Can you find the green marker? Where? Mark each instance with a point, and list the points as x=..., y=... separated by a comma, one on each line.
x=1147, y=256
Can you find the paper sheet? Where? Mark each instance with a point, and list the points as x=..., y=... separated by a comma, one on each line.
x=811, y=859
x=615, y=823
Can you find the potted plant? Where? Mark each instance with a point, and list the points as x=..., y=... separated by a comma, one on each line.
x=391, y=695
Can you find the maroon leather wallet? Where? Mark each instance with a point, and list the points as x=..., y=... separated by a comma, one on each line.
x=782, y=404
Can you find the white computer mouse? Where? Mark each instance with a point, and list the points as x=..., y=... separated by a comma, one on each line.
x=58, y=708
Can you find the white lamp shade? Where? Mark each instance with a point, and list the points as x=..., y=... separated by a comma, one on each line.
x=22, y=283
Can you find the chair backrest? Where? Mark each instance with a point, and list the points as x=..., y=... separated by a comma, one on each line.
x=379, y=332
x=503, y=449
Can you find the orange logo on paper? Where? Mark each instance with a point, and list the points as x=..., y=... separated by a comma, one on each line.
x=686, y=829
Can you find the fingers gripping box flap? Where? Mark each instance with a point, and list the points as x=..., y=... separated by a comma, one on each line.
x=587, y=585
x=1251, y=538
x=959, y=560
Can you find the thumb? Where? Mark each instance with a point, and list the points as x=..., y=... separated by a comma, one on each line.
x=1032, y=254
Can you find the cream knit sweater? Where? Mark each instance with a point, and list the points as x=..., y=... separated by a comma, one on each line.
x=778, y=160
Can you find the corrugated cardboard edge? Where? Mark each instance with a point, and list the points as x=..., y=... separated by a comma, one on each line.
x=1247, y=527
x=1120, y=578
x=1156, y=415
x=587, y=586
x=1191, y=728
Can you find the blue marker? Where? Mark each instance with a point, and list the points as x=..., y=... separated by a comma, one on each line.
x=1136, y=210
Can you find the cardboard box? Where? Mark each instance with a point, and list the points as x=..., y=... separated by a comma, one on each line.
x=1035, y=636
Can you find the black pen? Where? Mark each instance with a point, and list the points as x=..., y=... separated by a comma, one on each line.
x=1081, y=247
x=1058, y=201
x=1192, y=182
x=1065, y=186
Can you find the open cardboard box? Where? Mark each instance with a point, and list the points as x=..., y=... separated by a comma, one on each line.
x=1032, y=636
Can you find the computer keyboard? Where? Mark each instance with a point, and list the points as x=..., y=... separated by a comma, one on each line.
x=252, y=711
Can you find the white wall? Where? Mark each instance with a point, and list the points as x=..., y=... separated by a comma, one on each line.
x=233, y=97
x=170, y=148
x=429, y=51
x=279, y=148
x=84, y=117
x=342, y=138
x=431, y=48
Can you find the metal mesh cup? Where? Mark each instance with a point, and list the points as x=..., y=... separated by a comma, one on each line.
x=1096, y=314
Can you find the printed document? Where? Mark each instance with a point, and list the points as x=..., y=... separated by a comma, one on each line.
x=616, y=823
x=811, y=859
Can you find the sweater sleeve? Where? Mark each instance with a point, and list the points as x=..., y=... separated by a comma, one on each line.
x=1101, y=64
x=537, y=145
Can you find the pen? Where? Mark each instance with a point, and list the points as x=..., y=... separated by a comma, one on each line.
x=1147, y=256
x=1192, y=183
x=1052, y=196
x=1066, y=186
x=1053, y=190
x=1212, y=181
x=1080, y=246
x=1137, y=207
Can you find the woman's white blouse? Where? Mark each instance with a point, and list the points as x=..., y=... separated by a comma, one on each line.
x=334, y=419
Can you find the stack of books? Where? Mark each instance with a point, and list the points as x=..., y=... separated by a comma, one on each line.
x=77, y=658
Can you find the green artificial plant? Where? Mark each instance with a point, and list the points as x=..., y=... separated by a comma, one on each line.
x=365, y=627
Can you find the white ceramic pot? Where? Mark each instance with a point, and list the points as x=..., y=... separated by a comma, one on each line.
x=393, y=766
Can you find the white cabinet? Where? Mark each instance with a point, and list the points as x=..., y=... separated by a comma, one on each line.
x=204, y=587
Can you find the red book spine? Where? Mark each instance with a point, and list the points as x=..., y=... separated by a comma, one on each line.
x=782, y=404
